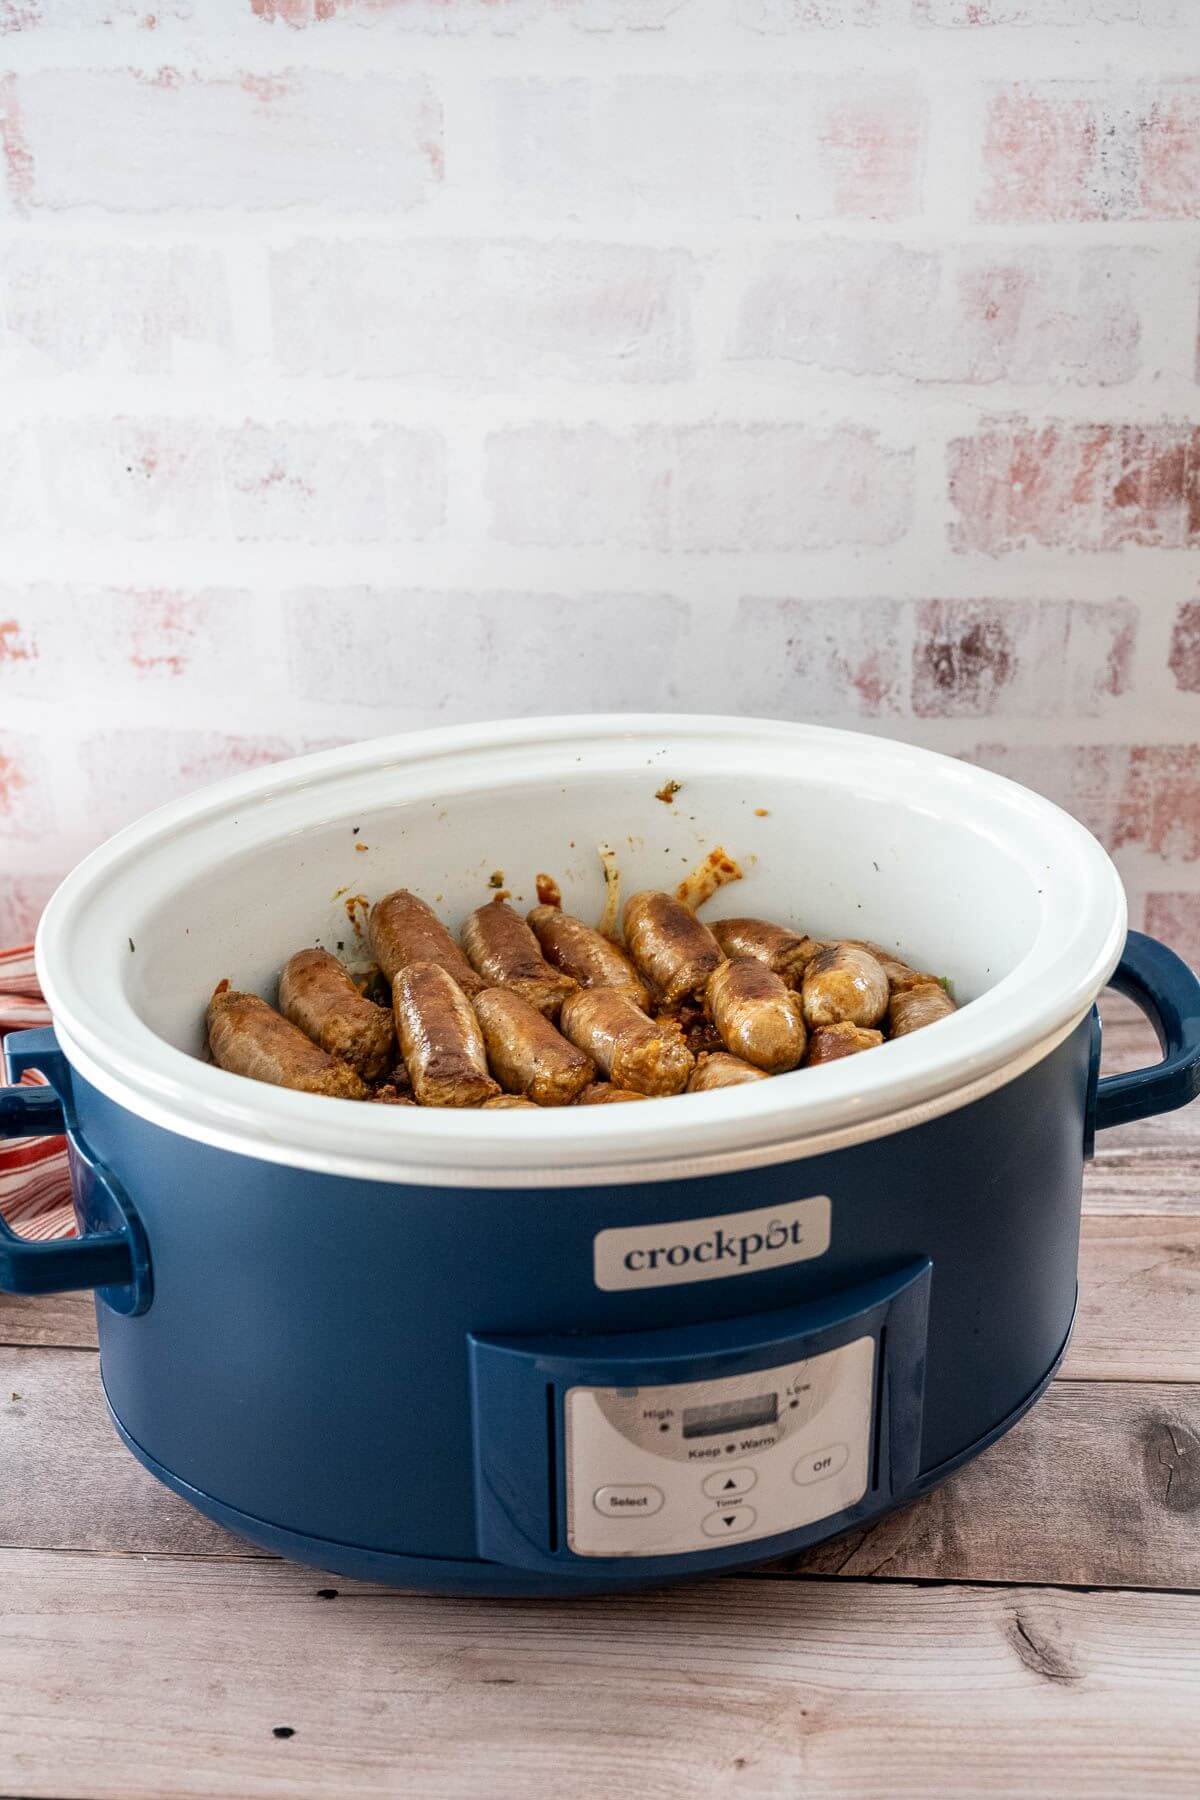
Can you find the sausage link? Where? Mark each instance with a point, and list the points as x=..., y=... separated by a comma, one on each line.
x=404, y=931
x=317, y=994
x=901, y=975
x=503, y=949
x=829, y=1042
x=632, y=1050
x=786, y=953
x=717, y=1069
x=507, y=1102
x=603, y=1093
x=440, y=1037
x=669, y=945
x=918, y=1007
x=591, y=960
x=526, y=1053
x=759, y=1019
x=844, y=984
x=248, y=1037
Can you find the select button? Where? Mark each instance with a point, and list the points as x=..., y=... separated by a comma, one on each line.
x=628, y=1501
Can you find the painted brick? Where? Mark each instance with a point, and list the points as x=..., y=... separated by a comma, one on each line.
x=126, y=772
x=22, y=900
x=77, y=15
x=977, y=315
x=501, y=17
x=301, y=137
x=1075, y=486
x=498, y=311
x=180, y=478
x=1020, y=658
x=1051, y=12
x=137, y=309
x=773, y=146
x=827, y=659
x=322, y=484
x=812, y=15
x=1093, y=150
x=26, y=809
x=423, y=657
x=131, y=478
x=1139, y=797
x=1184, y=657
x=698, y=487
x=75, y=640
x=1175, y=918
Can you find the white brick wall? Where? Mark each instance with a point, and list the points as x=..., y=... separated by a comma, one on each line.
x=374, y=363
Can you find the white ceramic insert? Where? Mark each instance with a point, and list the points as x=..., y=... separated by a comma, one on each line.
x=841, y=834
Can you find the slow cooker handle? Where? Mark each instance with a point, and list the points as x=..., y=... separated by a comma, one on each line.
x=110, y=1253
x=1167, y=991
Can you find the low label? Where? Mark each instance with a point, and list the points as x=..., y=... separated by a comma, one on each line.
x=706, y=1249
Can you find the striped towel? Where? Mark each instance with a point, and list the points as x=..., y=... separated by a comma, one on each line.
x=35, y=1188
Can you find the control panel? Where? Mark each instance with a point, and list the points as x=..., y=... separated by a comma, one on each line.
x=653, y=1471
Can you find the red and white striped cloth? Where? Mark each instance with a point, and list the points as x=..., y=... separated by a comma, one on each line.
x=35, y=1187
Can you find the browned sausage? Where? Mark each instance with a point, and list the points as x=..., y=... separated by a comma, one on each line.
x=717, y=1069
x=670, y=946
x=632, y=1050
x=317, y=994
x=829, y=1042
x=759, y=1019
x=390, y=1096
x=918, y=1007
x=248, y=1037
x=506, y=1103
x=592, y=960
x=844, y=984
x=786, y=953
x=440, y=1037
x=403, y=931
x=526, y=1053
x=505, y=952
x=603, y=1093
x=901, y=975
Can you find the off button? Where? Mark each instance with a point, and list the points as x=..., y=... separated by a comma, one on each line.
x=628, y=1501
x=819, y=1465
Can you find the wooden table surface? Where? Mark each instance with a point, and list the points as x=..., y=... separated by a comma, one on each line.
x=1031, y=1628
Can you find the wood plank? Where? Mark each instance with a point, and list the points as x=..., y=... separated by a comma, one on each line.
x=1139, y=1300
x=1098, y=1486
x=160, y=1680
x=67, y=1321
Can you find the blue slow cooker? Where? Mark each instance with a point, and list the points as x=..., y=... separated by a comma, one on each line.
x=573, y=1351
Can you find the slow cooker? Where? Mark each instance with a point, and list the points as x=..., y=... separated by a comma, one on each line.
x=582, y=1350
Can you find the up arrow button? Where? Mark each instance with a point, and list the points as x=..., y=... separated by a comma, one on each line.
x=722, y=1484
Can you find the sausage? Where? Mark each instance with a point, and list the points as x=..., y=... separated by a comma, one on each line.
x=759, y=1019
x=505, y=952
x=526, y=1053
x=592, y=960
x=669, y=945
x=248, y=1037
x=901, y=975
x=403, y=931
x=390, y=1095
x=632, y=1050
x=786, y=953
x=603, y=1093
x=717, y=1069
x=917, y=1007
x=317, y=994
x=506, y=1103
x=440, y=1037
x=829, y=1042
x=844, y=984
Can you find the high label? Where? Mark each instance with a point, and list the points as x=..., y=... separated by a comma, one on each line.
x=705, y=1249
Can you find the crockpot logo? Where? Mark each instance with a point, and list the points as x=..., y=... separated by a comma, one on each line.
x=706, y=1249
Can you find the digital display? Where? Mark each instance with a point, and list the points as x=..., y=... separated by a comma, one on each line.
x=730, y=1415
